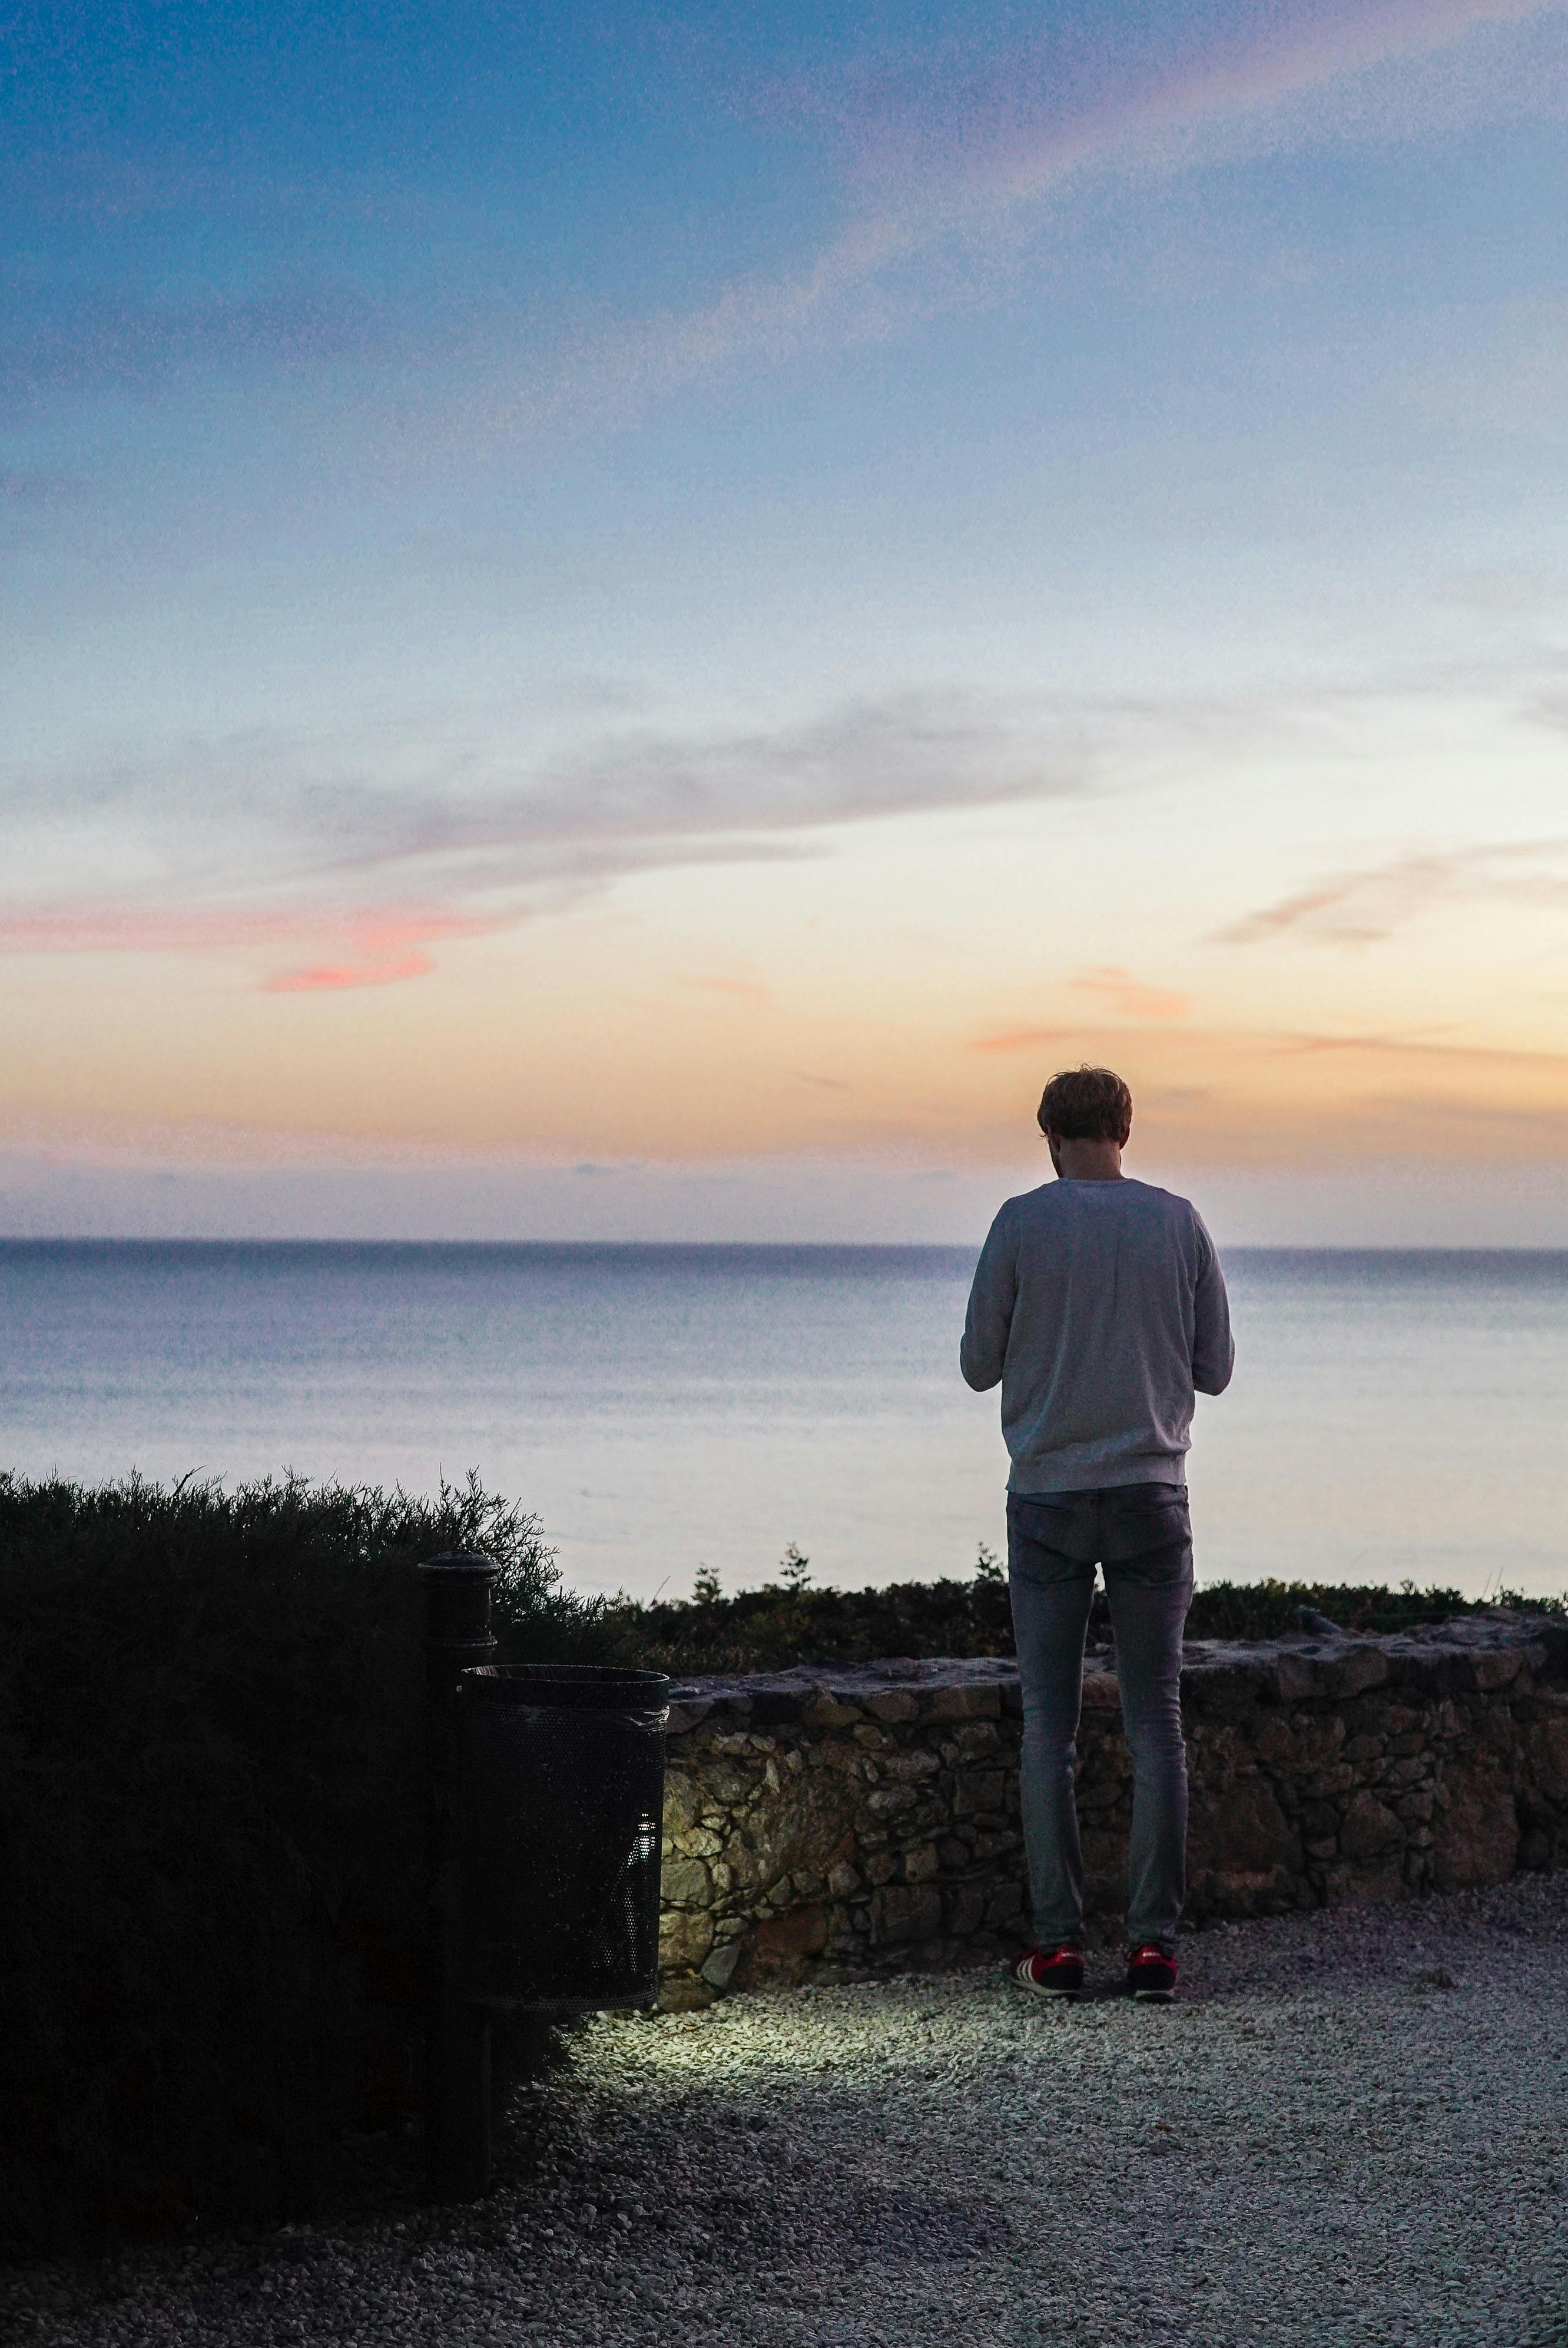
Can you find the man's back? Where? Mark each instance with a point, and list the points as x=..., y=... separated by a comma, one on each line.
x=1099, y=1306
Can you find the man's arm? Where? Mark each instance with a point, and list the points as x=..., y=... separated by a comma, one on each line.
x=1213, y=1347
x=983, y=1352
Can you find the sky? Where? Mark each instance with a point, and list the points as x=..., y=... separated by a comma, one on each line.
x=631, y=622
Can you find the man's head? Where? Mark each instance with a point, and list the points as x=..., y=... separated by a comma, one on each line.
x=1090, y=1111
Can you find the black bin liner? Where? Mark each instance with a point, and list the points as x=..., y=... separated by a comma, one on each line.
x=561, y=1821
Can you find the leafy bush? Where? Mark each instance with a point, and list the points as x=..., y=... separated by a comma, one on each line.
x=213, y=1812
x=787, y=1622
x=211, y=1831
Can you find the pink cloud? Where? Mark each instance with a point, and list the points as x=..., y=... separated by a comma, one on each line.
x=1006, y=124
x=382, y=947
x=326, y=978
x=948, y=153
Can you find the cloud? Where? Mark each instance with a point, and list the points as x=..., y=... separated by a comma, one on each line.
x=998, y=119
x=950, y=162
x=331, y=978
x=956, y=161
x=1129, y=997
x=1238, y=1096
x=1364, y=908
x=397, y=841
x=382, y=948
x=1022, y=1039
x=1110, y=987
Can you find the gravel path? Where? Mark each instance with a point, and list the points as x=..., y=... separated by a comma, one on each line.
x=1354, y=2129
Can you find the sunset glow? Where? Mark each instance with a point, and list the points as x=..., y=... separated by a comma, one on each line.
x=639, y=625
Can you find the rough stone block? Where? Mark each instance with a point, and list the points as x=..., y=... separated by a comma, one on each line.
x=1496, y=1668
x=684, y=1718
x=1368, y=1828
x=829, y=1712
x=980, y=1700
x=976, y=1791
x=1004, y=1905
x=685, y=1937
x=1248, y=1831
x=1288, y=1678
x=902, y=1912
x=964, y=1905
x=1475, y=1831
x=1347, y=1674
x=686, y=1883
x=1272, y=1743
x=685, y=1993
x=719, y=1970
x=779, y=1940
x=891, y=1801
x=893, y=1705
x=1547, y=1748
x=974, y=1736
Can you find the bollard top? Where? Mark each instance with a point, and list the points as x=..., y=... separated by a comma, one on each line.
x=468, y=1564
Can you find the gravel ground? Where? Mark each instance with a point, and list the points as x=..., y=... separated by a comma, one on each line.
x=1353, y=2128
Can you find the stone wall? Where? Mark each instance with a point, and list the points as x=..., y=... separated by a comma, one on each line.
x=829, y=1824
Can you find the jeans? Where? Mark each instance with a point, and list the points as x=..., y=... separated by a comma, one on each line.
x=1141, y=1534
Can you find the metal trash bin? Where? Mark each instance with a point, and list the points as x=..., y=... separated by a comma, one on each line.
x=560, y=1823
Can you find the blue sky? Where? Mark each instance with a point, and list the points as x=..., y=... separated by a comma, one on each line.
x=707, y=595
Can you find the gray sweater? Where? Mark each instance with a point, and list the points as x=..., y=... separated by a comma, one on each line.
x=1100, y=1307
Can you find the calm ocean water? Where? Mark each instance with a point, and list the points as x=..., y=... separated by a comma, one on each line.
x=661, y=1407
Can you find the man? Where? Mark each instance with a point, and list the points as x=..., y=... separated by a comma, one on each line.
x=1100, y=1307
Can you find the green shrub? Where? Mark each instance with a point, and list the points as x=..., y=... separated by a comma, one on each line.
x=787, y=1623
x=211, y=1832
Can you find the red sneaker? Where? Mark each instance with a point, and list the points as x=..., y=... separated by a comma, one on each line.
x=1050, y=1973
x=1150, y=1975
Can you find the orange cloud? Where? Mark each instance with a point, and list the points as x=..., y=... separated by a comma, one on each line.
x=1129, y=997
x=323, y=978
x=1021, y=1039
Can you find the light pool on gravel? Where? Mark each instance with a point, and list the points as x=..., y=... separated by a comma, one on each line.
x=1393, y=1414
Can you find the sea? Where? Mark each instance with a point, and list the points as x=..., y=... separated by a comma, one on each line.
x=1395, y=1415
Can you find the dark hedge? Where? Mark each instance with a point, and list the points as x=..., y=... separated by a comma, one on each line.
x=211, y=1809
x=788, y=1622
x=212, y=1833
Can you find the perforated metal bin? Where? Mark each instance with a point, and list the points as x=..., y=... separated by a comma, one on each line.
x=561, y=1818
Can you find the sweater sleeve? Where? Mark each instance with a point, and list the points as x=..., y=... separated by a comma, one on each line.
x=1213, y=1347
x=983, y=1352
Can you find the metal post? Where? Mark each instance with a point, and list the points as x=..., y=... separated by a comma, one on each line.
x=457, y=1635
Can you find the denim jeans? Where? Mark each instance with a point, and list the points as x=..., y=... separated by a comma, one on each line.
x=1140, y=1536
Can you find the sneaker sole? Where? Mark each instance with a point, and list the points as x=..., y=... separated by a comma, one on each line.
x=1062, y=1996
x=1154, y=1996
